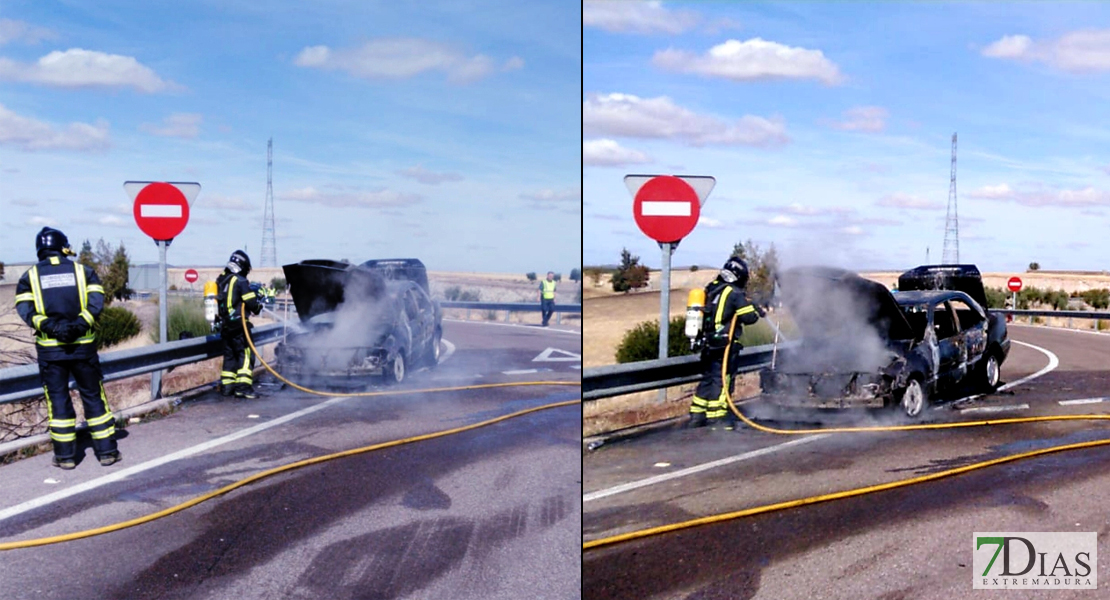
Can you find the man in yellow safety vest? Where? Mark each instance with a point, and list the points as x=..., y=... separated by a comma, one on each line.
x=547, y=296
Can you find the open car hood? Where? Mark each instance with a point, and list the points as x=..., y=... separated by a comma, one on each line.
x=962, y=278
x=319, y=286
x=819, y=297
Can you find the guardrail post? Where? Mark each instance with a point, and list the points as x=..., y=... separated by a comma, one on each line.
x=558, y=318
x=508, y=313
x=468, y=314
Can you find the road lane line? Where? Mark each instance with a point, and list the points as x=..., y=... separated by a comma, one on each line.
x=1053, y=362
x=994, y=409
x=450, y=351
x=151, y=464
x=1081, y=401
x=626, y=487
x=520, y=372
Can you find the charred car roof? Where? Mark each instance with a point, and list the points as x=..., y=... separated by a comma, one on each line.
x=319, y=286
x=964, y=278
x=807, y=292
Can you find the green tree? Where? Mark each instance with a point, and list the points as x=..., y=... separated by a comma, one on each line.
x=763, y=266
x=576, y=274
x=113, y=274
x=631, y=274
x=531, y=275
x=86, y=256
x=558, y=277
x=279, y=284
x=1034, y=266
x=1, y=269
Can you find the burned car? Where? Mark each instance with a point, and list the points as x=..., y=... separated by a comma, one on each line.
x=864, y=346
x=376, y=319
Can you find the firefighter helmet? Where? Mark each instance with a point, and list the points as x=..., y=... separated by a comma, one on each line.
x=735, y=271
x=239, y=263
x=51, y=240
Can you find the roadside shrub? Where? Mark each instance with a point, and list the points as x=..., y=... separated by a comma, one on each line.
x=693, y=268
x=279, y=284
x=1099, y=298
x=997, y=297
x=184, y=317
x=457, y=294
x=116, y=324
x=594, y=274
x=491, y=315
x=531, y=276
x=642, y=342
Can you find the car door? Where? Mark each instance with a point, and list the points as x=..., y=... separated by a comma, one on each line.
x=973, y=329
x=951, y=347
x=426, y=316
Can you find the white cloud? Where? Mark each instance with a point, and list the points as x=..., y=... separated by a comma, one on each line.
x=1039, y=195
x=900, y=200
x=782, y=221
x=1079, y=51
x=26, y=133
x=752, y=60
x=992, y=192
x=182, y=125
x=19, y=31
x=40, y=221
x=710, y=223
x=77, y=68
x=795, y=208
x=608, y=153
x=852, y=230
x=221, y=202
x=566, y=200
x=871, y=119
x=636, y=17
x=419, y=173
x=401, y=58
x=627, y=115
x=111, y=221
x=379, y=198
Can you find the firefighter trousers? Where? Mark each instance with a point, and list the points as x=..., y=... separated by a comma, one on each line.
x=709, y=399
x=238, y=368
x=62, y=417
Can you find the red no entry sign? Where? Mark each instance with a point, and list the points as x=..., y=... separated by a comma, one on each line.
x=1014, y=284
x=161, y=209
x=666, y=207
x=191, y=275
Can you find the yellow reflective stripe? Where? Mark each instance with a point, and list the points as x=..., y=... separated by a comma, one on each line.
x=82, y=293
x=107, y=433
x=36, y=289
x=48, y=343
x=230, y=289
x=250, y=296
x=63, y=437
x=25, y=297
x=102, y=419
x=63, y=423
x=37, y=320
x=721, y=307
x=747, y=309
x=87, y=316
x=54, y=260
x=227, y=374
x=96, y=288
x=244, y=380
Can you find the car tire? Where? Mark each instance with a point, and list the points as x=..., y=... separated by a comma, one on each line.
x=431, y=356
x=914, y=399
x=395, y=370
x=990, y=372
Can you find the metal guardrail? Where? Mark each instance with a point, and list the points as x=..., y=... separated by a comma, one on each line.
x=1064, y=314
x=511, y=306
x=22, y=383
x=615, y=380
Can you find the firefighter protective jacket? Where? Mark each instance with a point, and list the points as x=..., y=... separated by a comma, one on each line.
x=723, y=300
x=57, y=293
x=232, y=292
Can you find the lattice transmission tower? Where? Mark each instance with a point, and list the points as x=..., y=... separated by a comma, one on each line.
x=269, y=243
x=951, y=253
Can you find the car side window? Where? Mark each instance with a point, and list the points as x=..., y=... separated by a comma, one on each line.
x=410, y=305
x=944, y=323
x=967, y=316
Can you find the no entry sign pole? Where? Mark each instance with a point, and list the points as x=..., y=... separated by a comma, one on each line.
x=161, y=211
x=666, y=209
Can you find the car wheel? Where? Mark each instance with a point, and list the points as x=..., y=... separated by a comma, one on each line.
x=990, y=372
x=395, y=371
x=431, y=356
x=914, y=399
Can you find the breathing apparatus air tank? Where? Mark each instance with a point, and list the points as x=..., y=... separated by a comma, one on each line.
x=695, y=302
x=210, y=290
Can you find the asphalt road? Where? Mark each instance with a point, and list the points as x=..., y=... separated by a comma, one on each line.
x=488, y=513
x=913, y=542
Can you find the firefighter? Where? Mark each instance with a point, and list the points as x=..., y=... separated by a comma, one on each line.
x=547, y=297
x=724, y=298
x=233, y=289
x=61, y=301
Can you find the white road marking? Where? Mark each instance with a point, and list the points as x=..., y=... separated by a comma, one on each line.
x=626, y=487
x=520, y=372
x=151, y=464
x=531, y=327
x=579, y=367
x=549, y=355
x=1081, y=401
x=1053, y=362
x=450, y=351
x=994, y=409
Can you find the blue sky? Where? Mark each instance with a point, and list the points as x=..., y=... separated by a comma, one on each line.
x=446, y=131
x=828, y=126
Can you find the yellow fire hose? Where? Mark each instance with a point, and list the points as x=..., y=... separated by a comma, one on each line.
x=633, y=535
x=306, y=462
